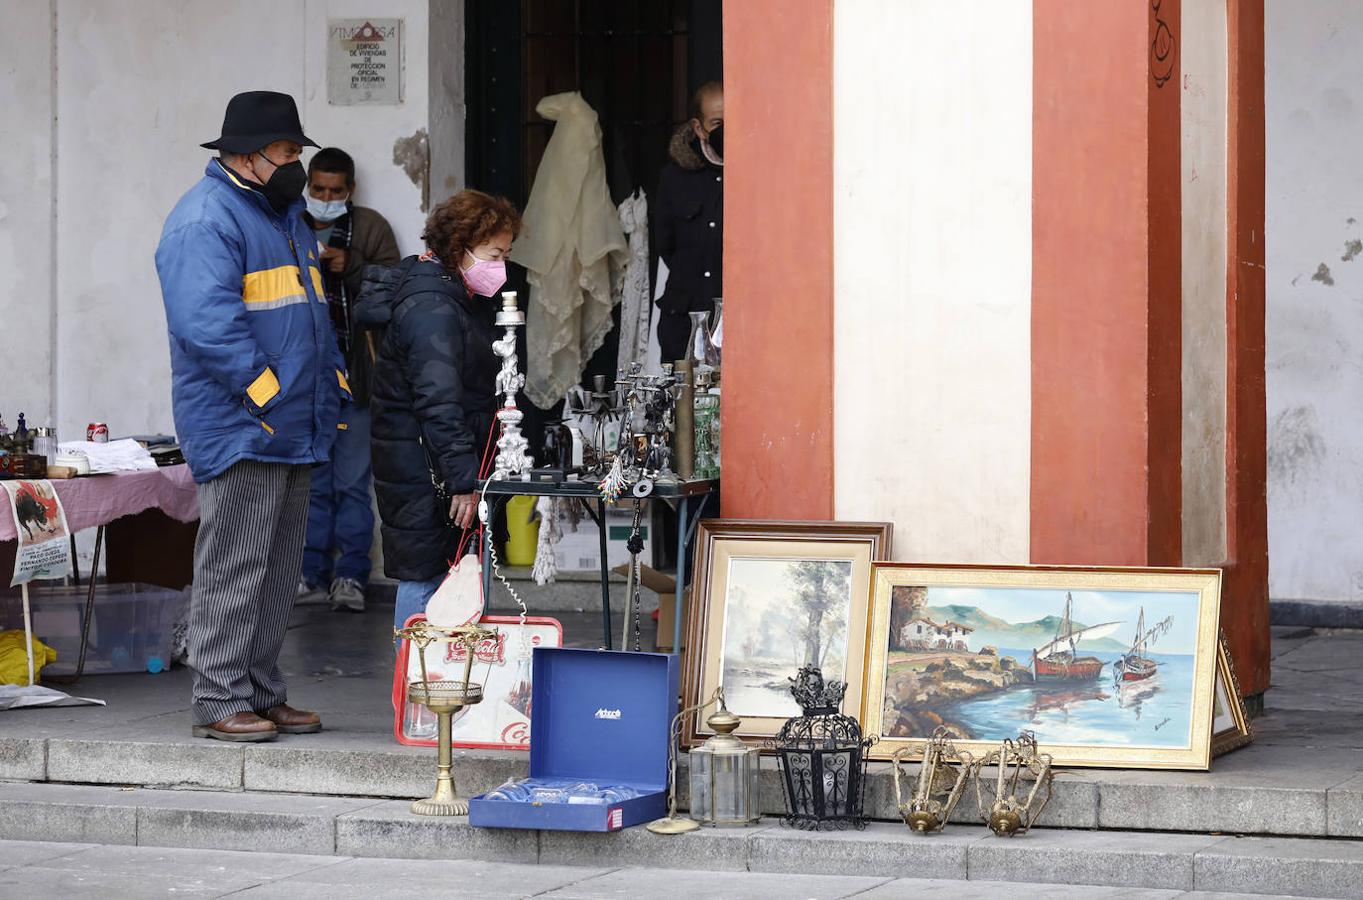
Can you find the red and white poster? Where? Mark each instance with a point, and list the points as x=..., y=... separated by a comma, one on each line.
x=501, y=665
x=44, y=546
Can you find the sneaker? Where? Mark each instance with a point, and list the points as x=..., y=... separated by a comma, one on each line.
x=309, y=594
x=347, y=594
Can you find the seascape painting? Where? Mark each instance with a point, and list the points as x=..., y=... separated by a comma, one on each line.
x=1091, y=668
x=781, y=614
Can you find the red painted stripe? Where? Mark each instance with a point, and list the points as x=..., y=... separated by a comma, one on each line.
x=777, y=407
x=1106, y=239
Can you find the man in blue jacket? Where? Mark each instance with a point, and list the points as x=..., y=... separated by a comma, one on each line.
x=257, y=389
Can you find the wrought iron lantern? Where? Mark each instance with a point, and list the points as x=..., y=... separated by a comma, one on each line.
x=724, y=775
x=1019, y=762
x=942, y=775
x=822, y=756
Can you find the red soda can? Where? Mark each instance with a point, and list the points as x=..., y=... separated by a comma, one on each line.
x=97, y=432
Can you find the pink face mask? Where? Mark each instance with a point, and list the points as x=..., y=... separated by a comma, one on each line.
x=485, y=276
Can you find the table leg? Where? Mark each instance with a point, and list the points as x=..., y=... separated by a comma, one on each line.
x=75, y=563
x=605, y=574
x=683, y=507
x=89, y=612
x=485, y=554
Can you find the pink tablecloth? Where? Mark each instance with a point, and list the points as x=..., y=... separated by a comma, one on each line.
x=99, y=499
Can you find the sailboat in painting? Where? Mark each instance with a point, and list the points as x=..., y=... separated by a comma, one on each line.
x=1059, y=659
x=1135, y=665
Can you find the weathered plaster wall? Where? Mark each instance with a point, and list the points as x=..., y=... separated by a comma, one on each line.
x=138, y=87
x=25, y=210
x=932, y=254
x=1314, y=224
x=1203, y=62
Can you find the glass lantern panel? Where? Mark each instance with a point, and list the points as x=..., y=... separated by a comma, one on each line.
x=702, y=801
x=728, y=789
x=753, y=779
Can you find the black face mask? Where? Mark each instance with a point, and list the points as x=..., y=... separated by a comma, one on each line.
x=285, y=184
x=716, y=140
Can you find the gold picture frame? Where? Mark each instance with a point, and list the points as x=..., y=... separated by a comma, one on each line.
x=1109, y=667
x=749, y=630
x=1231, y=728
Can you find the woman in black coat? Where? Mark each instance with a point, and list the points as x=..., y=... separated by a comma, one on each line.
x=432, y=398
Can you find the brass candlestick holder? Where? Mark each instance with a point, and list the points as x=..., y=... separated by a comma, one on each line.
x=444, y=698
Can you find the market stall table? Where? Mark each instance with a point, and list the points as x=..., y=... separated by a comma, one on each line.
x=687, y=498
x=94, y=501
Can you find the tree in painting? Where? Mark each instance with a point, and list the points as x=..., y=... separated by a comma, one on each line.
x=820, y=596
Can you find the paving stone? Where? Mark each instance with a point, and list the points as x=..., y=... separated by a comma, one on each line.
x=883, y=849
x=43, y=812
x=403, y=772
x=992, y=890
x=26, y=853
x=1345, y=809
x=1151, y=804
x=242, y=821
x=391, y=830
x=207, y=764
x=62, y=883
x=709, y=885
x=1312, y=868
x=454, y=877
x=722, y=849
x=176, y=861
x=1090, y=857
x=23, y=759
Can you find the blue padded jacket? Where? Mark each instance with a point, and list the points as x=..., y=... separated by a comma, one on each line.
x=255, y=369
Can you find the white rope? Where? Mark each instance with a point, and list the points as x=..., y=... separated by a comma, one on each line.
x=484, y=514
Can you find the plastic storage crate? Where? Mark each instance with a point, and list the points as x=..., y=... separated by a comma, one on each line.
x=131, y=629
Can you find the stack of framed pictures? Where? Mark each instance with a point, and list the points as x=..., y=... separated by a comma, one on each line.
x=1111, y=667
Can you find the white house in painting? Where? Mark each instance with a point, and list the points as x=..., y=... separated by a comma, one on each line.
x=920, y=633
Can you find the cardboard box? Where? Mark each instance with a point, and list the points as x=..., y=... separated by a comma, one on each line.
x=580, y=550
x=598, y=716
x=665, y=586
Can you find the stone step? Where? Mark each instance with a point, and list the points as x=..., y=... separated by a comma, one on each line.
x=326, y=826
x=1263, y=790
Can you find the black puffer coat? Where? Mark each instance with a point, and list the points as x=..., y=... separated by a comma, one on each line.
x=432, y=391
x=688, y=234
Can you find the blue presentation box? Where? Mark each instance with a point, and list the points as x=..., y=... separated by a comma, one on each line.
x=599, y=716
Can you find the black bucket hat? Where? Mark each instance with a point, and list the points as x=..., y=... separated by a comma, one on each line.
x=257, y=119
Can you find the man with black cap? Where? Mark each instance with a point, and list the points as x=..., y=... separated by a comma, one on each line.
x=257, y=388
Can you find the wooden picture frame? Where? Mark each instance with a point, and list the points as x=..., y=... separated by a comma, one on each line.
x=1048, y=649
x=749, y=632
x=1231, y=728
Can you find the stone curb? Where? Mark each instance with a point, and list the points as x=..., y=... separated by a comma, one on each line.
x=362, y=827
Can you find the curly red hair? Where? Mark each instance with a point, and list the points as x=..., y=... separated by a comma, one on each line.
x=466, y=220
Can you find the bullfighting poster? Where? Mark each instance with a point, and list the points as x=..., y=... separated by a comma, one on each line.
x=44, y=548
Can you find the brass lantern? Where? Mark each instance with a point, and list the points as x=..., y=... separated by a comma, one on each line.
x=724, y=775
x=1019, y=762
x=942, y=774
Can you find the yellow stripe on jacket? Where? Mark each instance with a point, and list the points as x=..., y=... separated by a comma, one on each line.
x=273, y=288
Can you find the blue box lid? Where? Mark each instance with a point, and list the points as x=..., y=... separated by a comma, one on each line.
x=603, y=715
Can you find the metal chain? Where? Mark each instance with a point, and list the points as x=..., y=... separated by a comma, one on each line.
x=636, y=546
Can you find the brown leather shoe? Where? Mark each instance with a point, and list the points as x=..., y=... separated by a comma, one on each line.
x=242, y=726
x=293, y=721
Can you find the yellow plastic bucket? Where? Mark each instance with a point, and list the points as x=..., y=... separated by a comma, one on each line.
x=523, y=531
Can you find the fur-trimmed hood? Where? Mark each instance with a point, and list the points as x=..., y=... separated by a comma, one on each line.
x=683, y=151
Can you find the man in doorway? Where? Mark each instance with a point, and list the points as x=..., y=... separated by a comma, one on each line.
x=688, y=220
x=258, y=386
x=340, y=517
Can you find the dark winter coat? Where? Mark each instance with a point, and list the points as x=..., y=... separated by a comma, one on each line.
x=688, y=234
x=432, y=405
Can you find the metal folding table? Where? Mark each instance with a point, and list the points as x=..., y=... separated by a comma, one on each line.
x=686, y=499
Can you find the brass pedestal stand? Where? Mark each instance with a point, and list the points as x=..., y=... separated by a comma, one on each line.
x=444, y=698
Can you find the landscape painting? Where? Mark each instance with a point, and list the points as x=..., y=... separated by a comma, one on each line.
x=767, y=599
x=1104, y=668
x=780, y=615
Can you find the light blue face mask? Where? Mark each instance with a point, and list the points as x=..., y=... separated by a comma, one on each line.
x=324, y=210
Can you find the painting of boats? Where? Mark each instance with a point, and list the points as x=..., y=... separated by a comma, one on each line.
x=1082, y=666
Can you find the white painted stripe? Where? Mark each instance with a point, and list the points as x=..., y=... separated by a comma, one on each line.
x=933, y=254
x=291, y=300
x=1203, y=109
